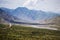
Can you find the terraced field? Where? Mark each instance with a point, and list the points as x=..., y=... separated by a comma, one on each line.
x=27, y=33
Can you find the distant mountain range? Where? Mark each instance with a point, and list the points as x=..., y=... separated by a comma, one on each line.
x=22, y=14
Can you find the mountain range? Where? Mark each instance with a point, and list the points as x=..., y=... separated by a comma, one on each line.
x=23, y=14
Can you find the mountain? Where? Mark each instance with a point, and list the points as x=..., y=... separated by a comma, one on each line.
x=56, y=20
x=22, y=14
x=6, y=17
x=33, y=15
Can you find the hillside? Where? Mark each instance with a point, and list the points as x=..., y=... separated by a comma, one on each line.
x=56, y=22
x=26, y=15
x=27, y=33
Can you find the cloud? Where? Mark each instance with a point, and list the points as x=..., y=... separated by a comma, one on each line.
x=46, y=5
x=30, y=2
x=11, y=3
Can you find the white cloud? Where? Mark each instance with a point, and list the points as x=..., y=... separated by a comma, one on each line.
x=11, y=3
x=46, y=5
x=30, y=2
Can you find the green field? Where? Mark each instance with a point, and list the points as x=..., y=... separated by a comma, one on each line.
x=27, y=33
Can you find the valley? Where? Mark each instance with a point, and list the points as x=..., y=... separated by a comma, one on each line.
x=17, y=32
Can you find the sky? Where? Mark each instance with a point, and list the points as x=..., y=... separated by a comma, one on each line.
x=45, y=5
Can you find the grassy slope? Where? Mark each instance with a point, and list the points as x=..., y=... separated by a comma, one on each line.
x=27, y=33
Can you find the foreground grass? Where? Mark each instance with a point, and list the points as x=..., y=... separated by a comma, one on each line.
x=27, y=33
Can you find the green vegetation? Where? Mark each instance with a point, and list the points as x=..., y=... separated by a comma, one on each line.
x=27, y=33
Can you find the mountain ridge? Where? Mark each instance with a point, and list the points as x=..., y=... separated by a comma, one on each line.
x=27, y=15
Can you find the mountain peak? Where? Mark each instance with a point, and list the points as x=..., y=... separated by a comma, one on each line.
x=29, y=15
x=21, y=8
